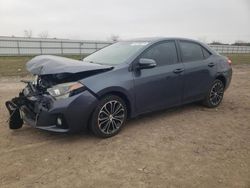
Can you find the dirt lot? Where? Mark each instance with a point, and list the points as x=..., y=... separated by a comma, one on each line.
x=190, y=146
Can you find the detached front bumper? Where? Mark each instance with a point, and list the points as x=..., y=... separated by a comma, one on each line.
x=63, y=115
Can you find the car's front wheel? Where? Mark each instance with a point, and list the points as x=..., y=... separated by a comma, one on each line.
x=215, y=94
x=109, y=116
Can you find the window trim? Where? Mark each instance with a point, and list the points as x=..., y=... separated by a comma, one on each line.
x=204, y=49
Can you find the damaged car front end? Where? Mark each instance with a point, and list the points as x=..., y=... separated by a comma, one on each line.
x=55, y=100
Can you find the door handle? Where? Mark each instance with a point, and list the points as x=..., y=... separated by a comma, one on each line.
x=211, y=64
x=178, y=71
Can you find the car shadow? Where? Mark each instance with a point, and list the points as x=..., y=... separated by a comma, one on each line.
x=41, y=135
x=166, y=113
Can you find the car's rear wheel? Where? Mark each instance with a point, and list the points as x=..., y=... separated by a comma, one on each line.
x=109, y=116
x=215, y=94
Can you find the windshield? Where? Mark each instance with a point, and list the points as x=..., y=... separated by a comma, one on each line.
x=116, y=53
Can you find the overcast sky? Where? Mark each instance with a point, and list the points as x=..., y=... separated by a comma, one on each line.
x=207, y=20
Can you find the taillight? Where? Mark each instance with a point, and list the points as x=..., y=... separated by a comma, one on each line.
x=229, y=61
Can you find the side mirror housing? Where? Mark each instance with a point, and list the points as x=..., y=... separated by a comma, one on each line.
x=146, y=63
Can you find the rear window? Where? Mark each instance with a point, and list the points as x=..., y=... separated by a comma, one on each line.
x=191, y=51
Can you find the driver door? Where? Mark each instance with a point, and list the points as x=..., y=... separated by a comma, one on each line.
x=161, y=86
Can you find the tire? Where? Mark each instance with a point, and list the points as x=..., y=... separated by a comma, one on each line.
x=15, y=121
x=215, y=94
x=109, y=117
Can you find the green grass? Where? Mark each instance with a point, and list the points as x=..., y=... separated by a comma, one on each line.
x=239, y=58
x=15, y=66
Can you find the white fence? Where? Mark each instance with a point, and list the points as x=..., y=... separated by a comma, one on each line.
x=24, y=46
x=231, y=49
x=14, y=46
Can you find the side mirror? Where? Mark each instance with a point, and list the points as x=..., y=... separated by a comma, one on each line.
x=146, y=63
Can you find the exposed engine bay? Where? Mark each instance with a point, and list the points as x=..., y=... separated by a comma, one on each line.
x=30, y=101
x=55, y=78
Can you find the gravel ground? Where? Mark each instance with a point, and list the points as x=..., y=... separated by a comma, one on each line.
x=189, y=146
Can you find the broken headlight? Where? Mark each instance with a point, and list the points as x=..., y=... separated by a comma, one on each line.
x=35, y=81
x=66, y=90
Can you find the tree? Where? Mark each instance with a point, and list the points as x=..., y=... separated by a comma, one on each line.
x=44, y=35
x=217, y=43
x=28, y=33
x=241, y=43
x=114, y=38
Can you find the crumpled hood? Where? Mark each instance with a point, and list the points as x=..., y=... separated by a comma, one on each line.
x=49, y=64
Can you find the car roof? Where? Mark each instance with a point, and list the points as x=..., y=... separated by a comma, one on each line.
x=157, y=39
x=152, y=40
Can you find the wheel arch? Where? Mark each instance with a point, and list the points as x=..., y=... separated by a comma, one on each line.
x=222, y=78
x=120, y=93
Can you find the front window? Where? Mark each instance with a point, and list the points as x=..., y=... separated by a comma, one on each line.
x=164, y=53
x=116, y=53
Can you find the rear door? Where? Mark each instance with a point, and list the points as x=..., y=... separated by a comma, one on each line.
x=199, y=70
x=160, y=86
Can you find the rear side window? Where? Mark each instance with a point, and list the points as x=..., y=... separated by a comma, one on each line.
x=163, y=53
x=191, y=51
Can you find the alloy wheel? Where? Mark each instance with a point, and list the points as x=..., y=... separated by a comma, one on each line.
x=216, y=93
x=111, y=117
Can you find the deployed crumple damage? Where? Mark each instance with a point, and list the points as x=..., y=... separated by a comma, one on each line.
x=49, y=64
x=50, y=70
